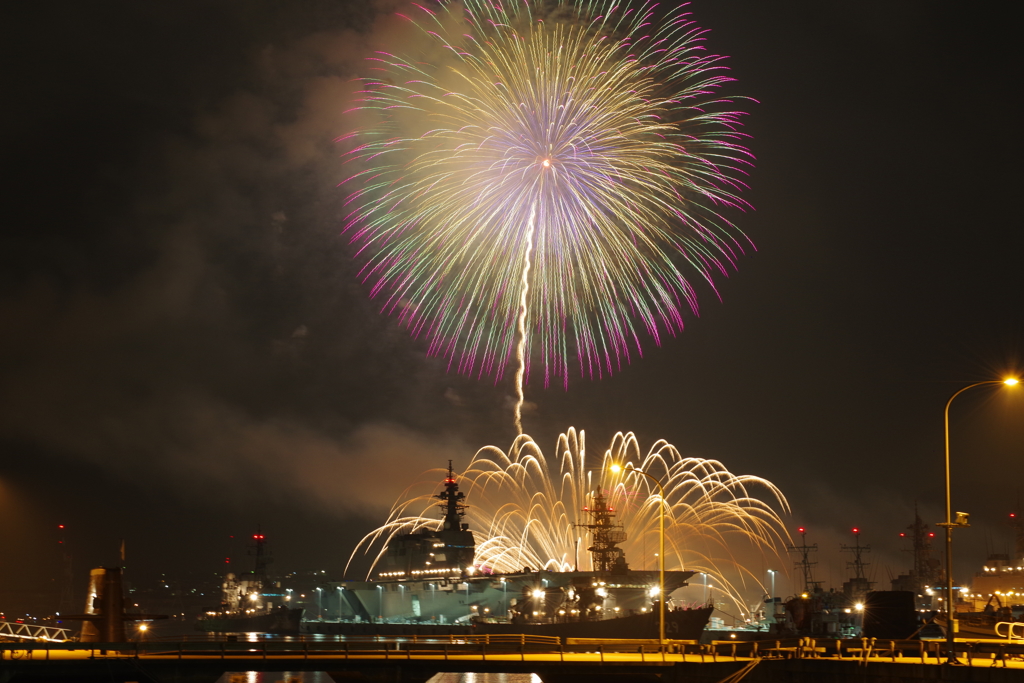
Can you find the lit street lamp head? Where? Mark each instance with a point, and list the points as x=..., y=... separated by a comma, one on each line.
x=1011, y=381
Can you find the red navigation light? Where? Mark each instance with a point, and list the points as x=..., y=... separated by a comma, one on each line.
x=902, y=535
x=856, y=530
x=61, y=526
x=931, y=534
x=227, y=560
x=585, y=509
x=802, y=530
x=1012, y=515
x=611, y=509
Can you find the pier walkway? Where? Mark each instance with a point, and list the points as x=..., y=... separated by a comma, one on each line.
x=415, y=660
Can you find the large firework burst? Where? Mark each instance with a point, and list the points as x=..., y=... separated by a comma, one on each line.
x=552, y=172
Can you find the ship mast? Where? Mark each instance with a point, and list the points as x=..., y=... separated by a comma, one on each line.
x=607, y=535
x=857, y=565
x=262, y=560
x=452, y=502
x=1018, y=525
x=925, y=568
x=810, y=585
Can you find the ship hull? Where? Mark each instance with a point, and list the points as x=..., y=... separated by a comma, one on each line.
x=459, y=600
x=277, y=621
x=685, y=624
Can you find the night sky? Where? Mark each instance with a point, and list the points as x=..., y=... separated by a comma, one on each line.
x=188, y=353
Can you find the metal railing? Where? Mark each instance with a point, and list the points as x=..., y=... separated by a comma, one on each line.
x=34, y=632
x=1014, y=630
x=860, y=650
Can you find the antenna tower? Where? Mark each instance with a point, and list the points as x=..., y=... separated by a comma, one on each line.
x=805, y=564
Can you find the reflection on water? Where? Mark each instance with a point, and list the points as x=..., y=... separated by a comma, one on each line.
x=451, y=677
x=322, y=677
x=275, y=677
x=181, y=631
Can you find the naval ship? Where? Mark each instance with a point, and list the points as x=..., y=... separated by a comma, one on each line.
x=251, y=603
x=429, y=583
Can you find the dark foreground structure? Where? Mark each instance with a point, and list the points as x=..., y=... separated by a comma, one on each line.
x=414, y=661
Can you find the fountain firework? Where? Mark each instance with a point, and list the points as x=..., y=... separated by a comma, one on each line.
x=526, y=509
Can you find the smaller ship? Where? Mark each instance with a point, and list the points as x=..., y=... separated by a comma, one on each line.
x=252, y=603
x=855, y=611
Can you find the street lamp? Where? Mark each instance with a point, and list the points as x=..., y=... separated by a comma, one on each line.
x=661, y=547
x=961, y=520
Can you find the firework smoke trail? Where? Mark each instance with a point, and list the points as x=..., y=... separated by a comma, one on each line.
x=598, y=117
x=525, y=509
x=521, y=325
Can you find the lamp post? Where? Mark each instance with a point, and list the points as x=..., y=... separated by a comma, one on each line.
x=661, y=547
x=961, y=520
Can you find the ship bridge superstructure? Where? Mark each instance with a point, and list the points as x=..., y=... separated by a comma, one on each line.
x=447, y=551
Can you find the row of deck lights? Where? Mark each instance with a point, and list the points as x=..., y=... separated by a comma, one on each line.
x=435, y=573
